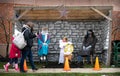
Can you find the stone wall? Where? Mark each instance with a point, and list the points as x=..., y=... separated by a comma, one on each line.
x=74, y=30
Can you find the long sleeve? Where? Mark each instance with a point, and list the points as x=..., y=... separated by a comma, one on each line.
x=32, y=35
x=39, y=42
x=28, y=35
x=84, y=42
x=62, y=44
x=94, y=41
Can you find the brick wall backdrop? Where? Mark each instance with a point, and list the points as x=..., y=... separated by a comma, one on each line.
x=6, y=15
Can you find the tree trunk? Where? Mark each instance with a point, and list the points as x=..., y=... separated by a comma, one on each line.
x=7, y=50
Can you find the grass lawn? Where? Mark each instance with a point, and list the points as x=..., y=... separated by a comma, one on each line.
x=59, y=74
x=39, y=65
x=54, y=64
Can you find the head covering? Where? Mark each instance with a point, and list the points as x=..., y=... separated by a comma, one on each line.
x=90, y=33
x=44, y=30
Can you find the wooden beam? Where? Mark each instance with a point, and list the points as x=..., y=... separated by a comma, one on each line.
x=22, y=14
x=102, y=14
x=22, y=7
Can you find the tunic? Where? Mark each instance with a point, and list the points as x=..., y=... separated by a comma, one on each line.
x=62, y=46
x=43, y=41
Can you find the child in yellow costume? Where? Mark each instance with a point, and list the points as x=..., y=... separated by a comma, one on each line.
x=68, y=50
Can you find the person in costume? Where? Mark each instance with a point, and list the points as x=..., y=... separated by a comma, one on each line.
x=43, y=44
x=88, y=46
x=65, y=50
x=62, y=44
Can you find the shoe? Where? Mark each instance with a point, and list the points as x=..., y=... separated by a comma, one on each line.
x=35, y=69
x=6, y=68
x=17, y=69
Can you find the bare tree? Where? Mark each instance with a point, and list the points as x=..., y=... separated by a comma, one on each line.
x=116, y=26
x=5, y=24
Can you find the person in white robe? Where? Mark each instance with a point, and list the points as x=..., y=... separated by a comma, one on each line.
x=62, y=44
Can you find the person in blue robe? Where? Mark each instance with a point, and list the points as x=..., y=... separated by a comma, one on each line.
x=43, y=44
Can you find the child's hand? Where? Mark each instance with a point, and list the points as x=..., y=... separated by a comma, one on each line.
x=16, y=54
x=88, y=47
x=84, y=47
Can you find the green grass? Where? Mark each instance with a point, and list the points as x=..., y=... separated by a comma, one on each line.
x=59, y=74
x=1, y=64
x=39, y=65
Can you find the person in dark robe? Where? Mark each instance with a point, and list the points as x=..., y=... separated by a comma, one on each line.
x=88, y=46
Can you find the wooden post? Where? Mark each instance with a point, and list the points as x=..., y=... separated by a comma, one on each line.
x=102, y=14
x=110, y=40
